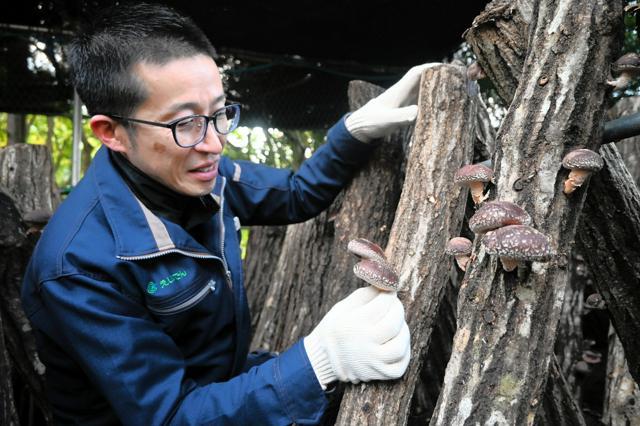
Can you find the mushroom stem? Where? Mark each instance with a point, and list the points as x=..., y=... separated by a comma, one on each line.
x=621, y=82
x=477, y=192
x=462, y=260
x=575, y=180
x=508, y=263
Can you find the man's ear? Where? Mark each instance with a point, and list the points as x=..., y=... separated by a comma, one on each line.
x=106, y=129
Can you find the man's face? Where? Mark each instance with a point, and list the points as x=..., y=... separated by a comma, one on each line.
x=177, y=89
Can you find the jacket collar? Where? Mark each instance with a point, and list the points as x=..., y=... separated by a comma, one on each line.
x=138, y=233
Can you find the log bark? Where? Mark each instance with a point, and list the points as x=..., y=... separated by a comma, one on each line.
x=499, y=38
x=569, y=336
x=430, y=212
x=26, y=172
x=9, y=236
x=313, y=270
x=263, y=250
x=608, y=238
x=622, y=400
x=559, y=407
x=27, y=199
x=17, y=348
x=498, y=368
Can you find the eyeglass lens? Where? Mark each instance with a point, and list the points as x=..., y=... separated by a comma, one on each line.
x=191, y=130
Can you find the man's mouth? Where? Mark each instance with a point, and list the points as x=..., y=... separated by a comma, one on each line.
x=206, y=172
x=203, y=169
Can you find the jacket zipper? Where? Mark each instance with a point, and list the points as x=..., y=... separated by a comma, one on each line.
x=227, y=273
x=197, y=255
x=193, y=300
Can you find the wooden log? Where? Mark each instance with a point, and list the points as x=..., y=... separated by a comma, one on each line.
x=28, y=190
x=607, y=236
x=26, y=172
x=313, y=270
x=507, y=321
x=263, y=250
x=430, y=212
x=499, y=38
x=622, y=400
x=559, y=407
x=629, y=148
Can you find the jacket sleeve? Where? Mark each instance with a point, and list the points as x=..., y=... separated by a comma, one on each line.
x=263, y=195
x=141, y=372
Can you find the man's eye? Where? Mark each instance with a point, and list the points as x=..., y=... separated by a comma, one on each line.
x=188, y=123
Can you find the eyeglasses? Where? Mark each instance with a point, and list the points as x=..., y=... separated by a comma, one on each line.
x=191, y=130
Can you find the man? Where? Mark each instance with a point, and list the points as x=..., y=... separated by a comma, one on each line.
x=135, y=289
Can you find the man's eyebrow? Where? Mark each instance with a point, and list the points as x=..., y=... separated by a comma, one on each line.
x=193, y=105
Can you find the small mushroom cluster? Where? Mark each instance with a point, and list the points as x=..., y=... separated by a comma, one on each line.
x=582, y=163
x=460, y=248
x=373, y=266
x=475, y=71
x=474, y=176
x=626, y=68
x=506, y=232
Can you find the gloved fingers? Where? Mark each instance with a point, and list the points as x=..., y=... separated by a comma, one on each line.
x=396, y=349
x=397, y=369
x=360, y=297
x=390, y=325
x=405, y=91
x=377, y=308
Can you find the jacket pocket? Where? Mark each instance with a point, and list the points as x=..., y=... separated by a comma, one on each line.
x=184, y=300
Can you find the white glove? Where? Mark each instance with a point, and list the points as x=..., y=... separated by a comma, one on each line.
x=363, y=337
x=395, y=107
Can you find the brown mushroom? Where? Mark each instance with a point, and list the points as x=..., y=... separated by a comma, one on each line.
x=378, y=274
x=496, y=214
x=595, y=302
x=515, y=243
x=460, y=248
x=627, y=67
x=475, y=71
x=582, y=163
x=474, y=176
x=366, y=249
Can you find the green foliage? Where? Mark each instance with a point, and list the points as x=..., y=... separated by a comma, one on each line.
x=4, y=137
x=274, y=147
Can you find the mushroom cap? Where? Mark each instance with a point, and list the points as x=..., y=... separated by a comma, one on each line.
x=629, y=62
x=583, y=159
x=458, y=245
x=366, y=249
x=475, y=71
x=496, y=214
x=473, y=173
x=378, y=274
x=518, y=242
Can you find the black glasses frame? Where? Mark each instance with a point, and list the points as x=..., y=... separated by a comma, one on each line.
x=174, y=123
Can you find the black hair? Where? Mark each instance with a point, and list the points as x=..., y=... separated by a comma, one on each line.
x=102, y=55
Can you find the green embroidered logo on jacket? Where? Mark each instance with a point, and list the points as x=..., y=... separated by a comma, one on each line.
x=153, y=287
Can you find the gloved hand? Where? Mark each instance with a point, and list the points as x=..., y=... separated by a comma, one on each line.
x=363, y=337
x=392, y=109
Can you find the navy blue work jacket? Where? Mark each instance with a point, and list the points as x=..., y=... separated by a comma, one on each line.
x=138, y=323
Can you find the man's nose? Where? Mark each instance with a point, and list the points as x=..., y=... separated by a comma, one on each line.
x=213, y=142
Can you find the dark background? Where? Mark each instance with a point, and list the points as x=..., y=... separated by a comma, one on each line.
x=288, y=62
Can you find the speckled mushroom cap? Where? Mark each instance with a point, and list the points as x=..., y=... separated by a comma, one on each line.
x=584, y=159
x=458, y=245
x=366, y=249
x=518, y=242
x=495, y=214
x=473, y=173
x=629, y=62
x=378, y=274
